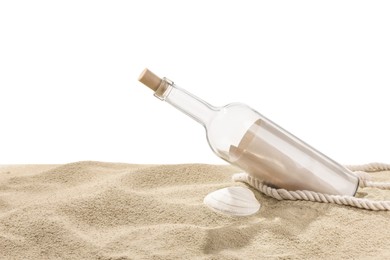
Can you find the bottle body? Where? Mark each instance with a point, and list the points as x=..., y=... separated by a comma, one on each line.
x=245, y=138
x=281, y=160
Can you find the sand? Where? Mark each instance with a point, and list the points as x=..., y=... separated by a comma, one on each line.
x=95, y=210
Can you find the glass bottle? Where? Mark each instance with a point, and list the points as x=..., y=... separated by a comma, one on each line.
x=245, y=138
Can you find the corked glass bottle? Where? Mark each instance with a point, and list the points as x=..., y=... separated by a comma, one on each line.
x=245, y=138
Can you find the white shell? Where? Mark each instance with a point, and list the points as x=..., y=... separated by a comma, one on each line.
x=235, y=201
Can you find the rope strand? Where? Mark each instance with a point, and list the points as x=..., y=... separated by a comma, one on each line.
x=359, y=170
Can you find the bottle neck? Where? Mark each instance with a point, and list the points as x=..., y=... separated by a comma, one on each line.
x=189, y=104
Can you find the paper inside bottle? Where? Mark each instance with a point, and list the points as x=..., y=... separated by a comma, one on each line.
x=281, y=162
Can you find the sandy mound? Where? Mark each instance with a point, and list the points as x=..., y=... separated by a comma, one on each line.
x=93, y=210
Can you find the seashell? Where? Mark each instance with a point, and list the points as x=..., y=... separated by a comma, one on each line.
x=235, y=201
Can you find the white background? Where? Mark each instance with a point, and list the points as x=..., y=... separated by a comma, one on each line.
x=69, y=69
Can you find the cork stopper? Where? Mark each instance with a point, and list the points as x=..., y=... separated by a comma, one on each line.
x=150, y=79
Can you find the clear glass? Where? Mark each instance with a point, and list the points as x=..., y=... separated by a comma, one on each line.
x=248, y=140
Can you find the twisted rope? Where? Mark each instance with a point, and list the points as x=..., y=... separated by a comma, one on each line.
x=361, y=172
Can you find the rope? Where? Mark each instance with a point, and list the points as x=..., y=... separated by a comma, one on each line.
x=361, y=172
